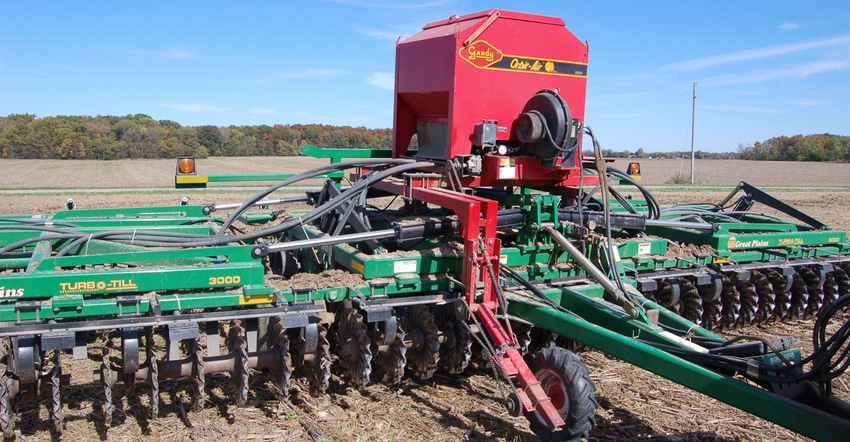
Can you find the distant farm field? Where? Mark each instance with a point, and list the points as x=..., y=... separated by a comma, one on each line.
x=730, y=172
x=79, y=174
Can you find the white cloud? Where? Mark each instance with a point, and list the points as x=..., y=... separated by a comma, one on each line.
x=810, y=103
x=180, y=53
x=794, y=72
x=315, y=74
x=640, y=79
x=393, y=4
x=379, y=34
x=608, y=99
x=383, y=80
x=600, y=116
x=789, y=26
x=752, y=109
x=195, y=107
x=309, y=116
x=755, y=54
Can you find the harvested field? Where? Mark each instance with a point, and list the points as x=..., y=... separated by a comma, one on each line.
x=731, y=172
x=81, y=174
x=635, y=405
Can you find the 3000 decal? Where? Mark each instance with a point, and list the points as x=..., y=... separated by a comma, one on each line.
x=225, y=280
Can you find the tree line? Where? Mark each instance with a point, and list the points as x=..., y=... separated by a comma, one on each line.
x=24, y=136
x=818, y=147
x=642, y=153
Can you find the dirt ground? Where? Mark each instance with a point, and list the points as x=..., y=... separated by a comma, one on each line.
x=634, y=404
x=81, y=174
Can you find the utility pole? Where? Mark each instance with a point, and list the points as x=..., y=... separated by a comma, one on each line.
x=693, y=125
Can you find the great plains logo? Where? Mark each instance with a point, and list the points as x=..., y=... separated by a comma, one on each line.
x=735, y=244
x=11, y=293
x=97, y=286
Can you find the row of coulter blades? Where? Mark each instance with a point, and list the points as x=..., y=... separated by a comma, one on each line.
x=421, y=340
x=741, y=297
x=135, y=362
x=760, y=268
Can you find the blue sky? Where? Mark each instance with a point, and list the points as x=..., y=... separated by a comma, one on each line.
x=763, y=68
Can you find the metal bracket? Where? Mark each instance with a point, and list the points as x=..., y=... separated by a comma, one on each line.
x=28, y=306
x=177, y=332
x=310, y=334
x=64, y=341
x=130, y=349
x=25, y=350
x=483, y=27
x=132, y=301
x=252, y=334
x=57, y=341
x=213, y=340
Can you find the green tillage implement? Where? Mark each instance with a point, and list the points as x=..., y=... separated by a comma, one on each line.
x=175, y=270
x=597, y=332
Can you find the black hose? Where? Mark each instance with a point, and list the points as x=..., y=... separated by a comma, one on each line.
x=829, y=359
x=146, y=238
x=603, y=182
x=653, y=208
x=312, y=173
x=652, y=203
x=33, y=222
x=354, y=191
x=50, y=237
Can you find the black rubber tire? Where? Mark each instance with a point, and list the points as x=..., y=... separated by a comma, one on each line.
x=567, y=381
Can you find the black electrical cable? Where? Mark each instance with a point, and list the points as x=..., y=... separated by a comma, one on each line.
x=148, y=238
x=50, y=237
x=53, y=233
x=653, y=208
x=34, y=222
x=652, y=203
x=562, y=148
x=829, y=359
x=385, y=207
x=603, y=182
x=312, y=173
x=166, y=239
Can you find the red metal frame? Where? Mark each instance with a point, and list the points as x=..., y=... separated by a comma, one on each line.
x=478, y=220
x=455, y=75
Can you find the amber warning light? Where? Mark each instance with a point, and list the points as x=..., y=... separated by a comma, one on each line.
x=186, y=166
x=187, y=176
x=634, y=171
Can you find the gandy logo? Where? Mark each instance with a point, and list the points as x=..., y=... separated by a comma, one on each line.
x=735, y=244
x=481, y=54
x=11, y=293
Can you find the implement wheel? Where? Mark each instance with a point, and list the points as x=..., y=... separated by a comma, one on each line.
x=566, y=380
